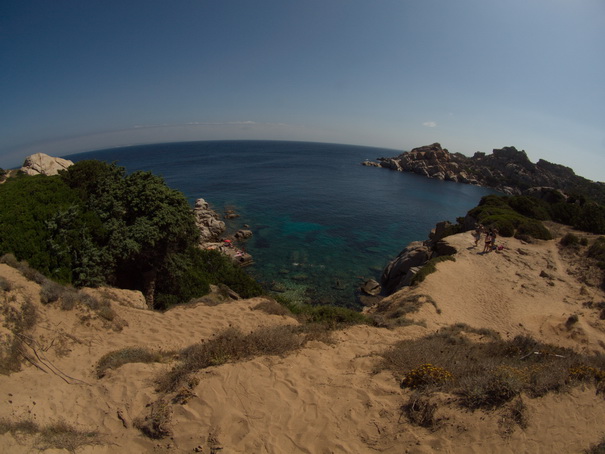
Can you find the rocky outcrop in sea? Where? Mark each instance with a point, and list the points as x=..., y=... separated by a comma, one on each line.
x=507, y=170
x=212, y=229
x=208, y=222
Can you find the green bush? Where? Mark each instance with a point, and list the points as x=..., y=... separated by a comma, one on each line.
x=534, y=229
x=597, y=251
x=332, y=316
x=530, y=207
x=94, y=225
x=570, y=239
x=591, y=218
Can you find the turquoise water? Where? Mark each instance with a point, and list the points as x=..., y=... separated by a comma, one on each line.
x=322, y=222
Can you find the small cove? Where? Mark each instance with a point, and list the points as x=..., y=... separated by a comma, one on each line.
x=322, y=223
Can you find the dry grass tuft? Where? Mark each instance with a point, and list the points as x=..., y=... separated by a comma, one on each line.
x=272, y=307
x=230, y=346
x=18, y=320
x=156, y=425
x=58, y=435
x=490, y=373
x=115, y=359
x=420, y=411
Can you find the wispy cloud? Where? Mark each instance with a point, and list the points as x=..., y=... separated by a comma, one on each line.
x=430, y=124
x=226, y=123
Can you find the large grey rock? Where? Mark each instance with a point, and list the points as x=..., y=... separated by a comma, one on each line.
x=43, y=164
x=415, y=254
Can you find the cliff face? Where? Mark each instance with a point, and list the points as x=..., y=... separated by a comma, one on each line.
x=506, y=169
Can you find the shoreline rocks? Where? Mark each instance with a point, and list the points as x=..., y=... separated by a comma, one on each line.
x=208, y=222
x=211, y=229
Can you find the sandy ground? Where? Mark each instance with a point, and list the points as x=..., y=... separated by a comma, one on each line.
x=325, y=398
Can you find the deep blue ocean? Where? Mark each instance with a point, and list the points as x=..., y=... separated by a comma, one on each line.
x=322, y=222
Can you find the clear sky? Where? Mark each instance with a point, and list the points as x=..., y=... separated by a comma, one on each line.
x=471, y=74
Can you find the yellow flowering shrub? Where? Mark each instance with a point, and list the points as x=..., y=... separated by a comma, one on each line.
x=426, y=375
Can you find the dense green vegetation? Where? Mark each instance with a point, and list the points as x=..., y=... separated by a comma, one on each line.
x=522, y=215
x=512, y=216
x=93, y=224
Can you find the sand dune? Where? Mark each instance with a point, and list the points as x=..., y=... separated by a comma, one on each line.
x=328, y=397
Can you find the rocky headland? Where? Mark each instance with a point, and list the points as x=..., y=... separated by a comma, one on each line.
x=507, y=170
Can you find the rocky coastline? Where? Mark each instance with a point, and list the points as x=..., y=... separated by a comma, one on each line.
x=212, y=233
x=209, y=223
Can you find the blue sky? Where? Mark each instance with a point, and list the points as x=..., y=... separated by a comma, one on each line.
x=471, y=74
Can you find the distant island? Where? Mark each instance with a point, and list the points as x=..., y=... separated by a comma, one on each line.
x=507, y=170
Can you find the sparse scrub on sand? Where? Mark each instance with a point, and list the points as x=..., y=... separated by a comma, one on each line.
x=18, y=320
x=58, y=435
x=115, y=359
x=332, y=317
x=597, y=251
x=420, y=411
x=272, y=307
x=156, y=425
x=5, y=286
x=394, y=314
x=515, y=415
x=429, y=267
x=598, y=448
x=51, y=292
x=230, y=346
x=489, y=373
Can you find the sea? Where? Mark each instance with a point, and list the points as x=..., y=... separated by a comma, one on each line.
x=322, y=223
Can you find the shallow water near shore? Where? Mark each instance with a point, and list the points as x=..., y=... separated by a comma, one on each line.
x=322, y=222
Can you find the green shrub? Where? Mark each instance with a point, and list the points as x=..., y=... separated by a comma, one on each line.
x=425, y=375
x=330, y=316
x=534, y=229
x=530, y=207
x=570, y=240
x=591, y=218
x=492, y=372
x=597, y=251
